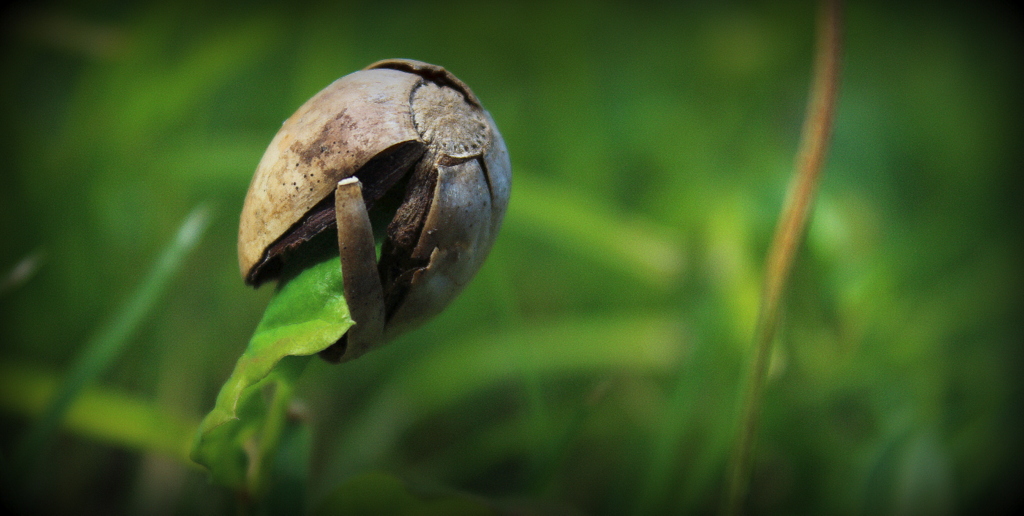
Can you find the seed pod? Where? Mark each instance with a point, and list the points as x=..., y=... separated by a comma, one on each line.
x=398, y=132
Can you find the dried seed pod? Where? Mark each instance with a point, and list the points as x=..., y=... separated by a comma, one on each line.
x=399, y=131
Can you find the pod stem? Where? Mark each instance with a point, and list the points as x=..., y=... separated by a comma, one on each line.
x=788, y=236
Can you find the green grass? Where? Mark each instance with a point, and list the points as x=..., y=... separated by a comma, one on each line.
x=595, y=362
x=109, y=342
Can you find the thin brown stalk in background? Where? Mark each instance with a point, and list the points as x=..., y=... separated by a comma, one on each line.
x=788, y=236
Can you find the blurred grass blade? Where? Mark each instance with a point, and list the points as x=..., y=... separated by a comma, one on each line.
x=21, y=272
x=648, y=343
x=110, y=341
x=643, y=249
x=786, y=242
x=380, y=494
x=106, y=415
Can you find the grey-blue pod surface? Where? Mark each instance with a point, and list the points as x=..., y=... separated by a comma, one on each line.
x=397, y=132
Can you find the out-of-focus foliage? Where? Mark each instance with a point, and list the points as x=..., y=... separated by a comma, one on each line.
x=593, y=365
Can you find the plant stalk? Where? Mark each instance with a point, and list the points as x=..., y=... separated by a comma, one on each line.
x=788, y=236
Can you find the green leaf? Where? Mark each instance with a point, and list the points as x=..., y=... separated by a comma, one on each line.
x=238, y=438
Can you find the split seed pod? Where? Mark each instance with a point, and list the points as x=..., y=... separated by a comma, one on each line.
x=398, y=132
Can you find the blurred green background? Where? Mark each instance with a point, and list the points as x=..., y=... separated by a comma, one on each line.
x=593, y=365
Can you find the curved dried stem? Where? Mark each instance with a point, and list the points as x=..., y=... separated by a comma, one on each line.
x=789, y=234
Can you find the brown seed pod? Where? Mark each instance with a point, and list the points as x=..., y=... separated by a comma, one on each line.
x=399, y=131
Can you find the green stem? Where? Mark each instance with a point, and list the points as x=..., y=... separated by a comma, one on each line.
x=284, y=379
x=789, y=234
